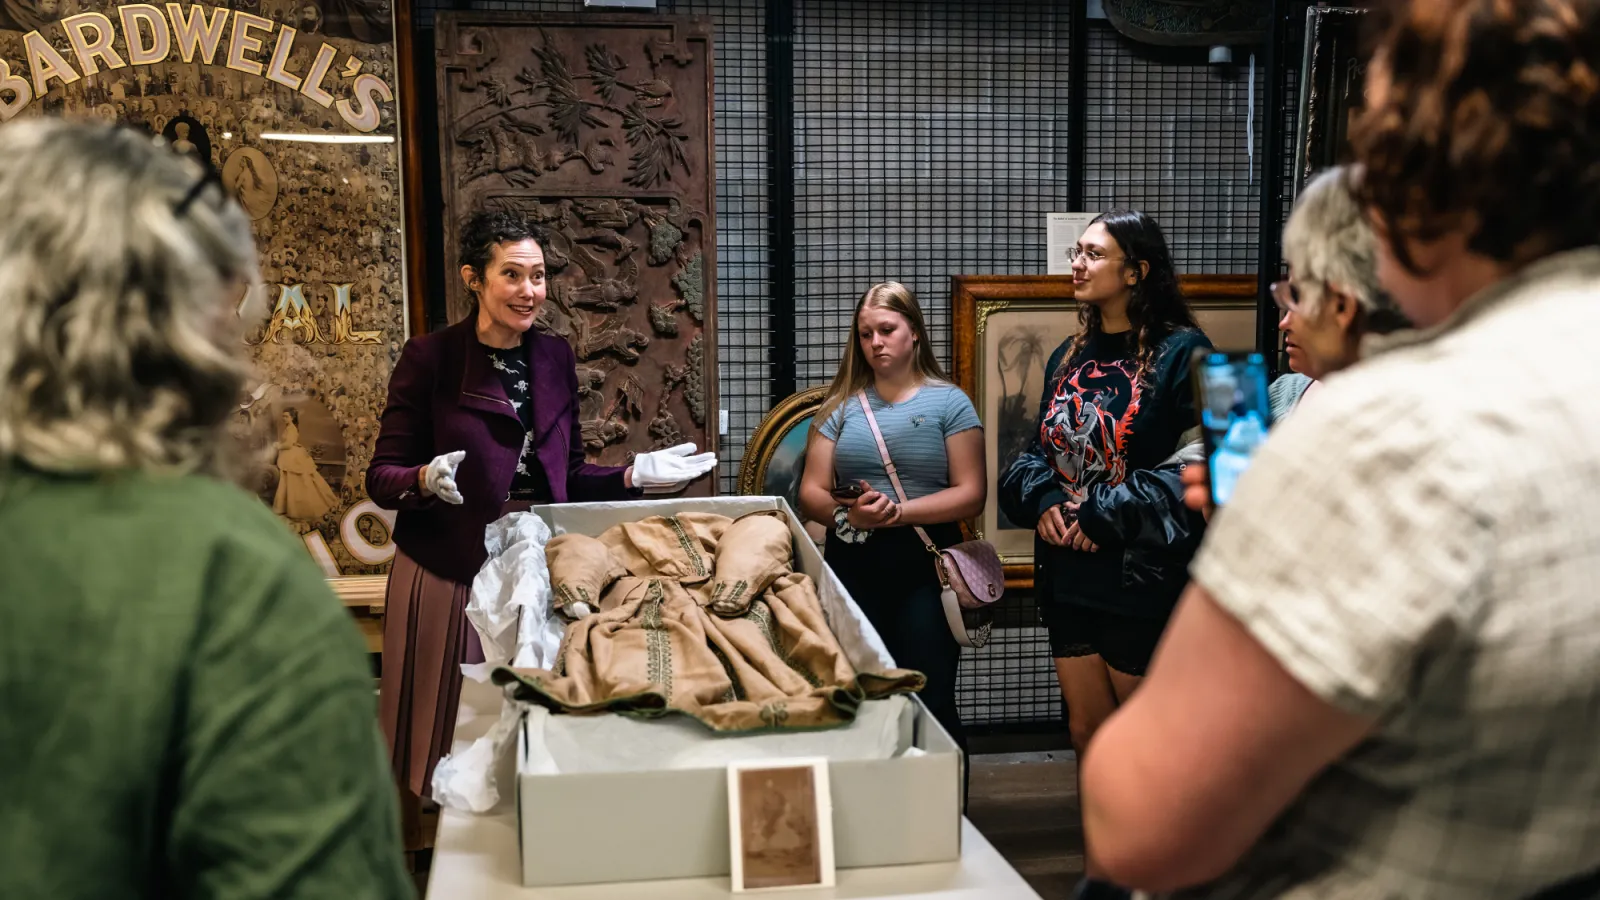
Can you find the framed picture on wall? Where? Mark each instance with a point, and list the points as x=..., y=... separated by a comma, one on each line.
x=775, y=457
x=1005, y=327
x=1333, y=73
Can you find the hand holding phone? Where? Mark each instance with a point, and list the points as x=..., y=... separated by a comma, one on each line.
x=1197, y=490
x=847, y=493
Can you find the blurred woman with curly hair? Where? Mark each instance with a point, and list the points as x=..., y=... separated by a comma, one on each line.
x=1385, y=678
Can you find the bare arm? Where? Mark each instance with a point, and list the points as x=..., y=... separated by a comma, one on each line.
x=967, y=493
x=1214, y=746
x=816, y=503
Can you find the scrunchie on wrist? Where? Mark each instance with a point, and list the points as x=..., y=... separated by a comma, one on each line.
x=844, y=530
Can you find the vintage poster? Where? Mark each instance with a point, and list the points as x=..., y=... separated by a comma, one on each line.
x=293, y=104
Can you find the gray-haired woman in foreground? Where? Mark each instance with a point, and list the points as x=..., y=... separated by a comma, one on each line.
x=185, y=709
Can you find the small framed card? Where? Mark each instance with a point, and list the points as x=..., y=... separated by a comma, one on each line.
x=780, y=824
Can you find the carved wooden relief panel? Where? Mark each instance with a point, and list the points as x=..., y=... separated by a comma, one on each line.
x=598, y=127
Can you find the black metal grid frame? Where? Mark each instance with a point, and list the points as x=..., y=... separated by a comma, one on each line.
x=868, y=140
x=1180, y=138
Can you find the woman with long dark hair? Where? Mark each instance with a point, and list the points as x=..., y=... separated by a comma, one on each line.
x=1116, y=404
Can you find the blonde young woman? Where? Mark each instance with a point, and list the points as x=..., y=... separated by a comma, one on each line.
x=936, y=443
x=188, y=710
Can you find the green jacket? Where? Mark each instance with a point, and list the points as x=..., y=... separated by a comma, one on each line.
x=185, y=708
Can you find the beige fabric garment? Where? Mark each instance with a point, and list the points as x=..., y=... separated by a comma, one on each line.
x=656, y=647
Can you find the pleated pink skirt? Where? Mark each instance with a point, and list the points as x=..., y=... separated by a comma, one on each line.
x=426, y=639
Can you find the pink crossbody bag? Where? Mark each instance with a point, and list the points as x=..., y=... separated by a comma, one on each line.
x=971, y=578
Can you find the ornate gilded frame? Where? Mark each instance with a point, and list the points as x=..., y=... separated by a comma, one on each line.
x=775, y=426
x=1333, y=71
x=1225, y=304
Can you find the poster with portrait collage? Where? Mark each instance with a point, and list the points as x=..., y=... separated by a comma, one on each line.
x=293, y=104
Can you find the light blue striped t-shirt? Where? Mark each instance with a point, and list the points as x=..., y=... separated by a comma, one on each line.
x=914, y=430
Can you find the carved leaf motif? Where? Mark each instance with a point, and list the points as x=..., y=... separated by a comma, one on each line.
x=657, y=146
x=497, y=92
x=598, y=433
x=626, y=288
x=605, y=68
x=568, y=113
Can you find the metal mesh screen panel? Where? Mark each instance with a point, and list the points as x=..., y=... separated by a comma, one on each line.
x=1176, y=137
x=1288, y=74
x=739, y=42
x=930, y=141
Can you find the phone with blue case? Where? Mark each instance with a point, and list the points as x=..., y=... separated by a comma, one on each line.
x=1235, y=413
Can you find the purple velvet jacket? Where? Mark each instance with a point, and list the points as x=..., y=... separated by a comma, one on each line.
x=443, y=396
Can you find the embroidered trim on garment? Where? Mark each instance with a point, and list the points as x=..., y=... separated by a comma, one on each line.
x=688, y=547
x=658, y=645
x=569, y=597
x=718, y=601
x=775, y=713
x=734, y=691
x=559, y=670
x=761, y=613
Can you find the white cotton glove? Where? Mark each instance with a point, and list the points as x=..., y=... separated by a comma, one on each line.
x=440, y=477
x=665, y=471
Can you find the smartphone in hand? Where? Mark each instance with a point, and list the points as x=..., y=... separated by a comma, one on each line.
x=844, y=493
x=1232, y=401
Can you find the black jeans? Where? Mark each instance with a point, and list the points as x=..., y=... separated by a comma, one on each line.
x=891, y=577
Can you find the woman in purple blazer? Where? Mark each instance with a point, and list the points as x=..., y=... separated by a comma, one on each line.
x=482, y=420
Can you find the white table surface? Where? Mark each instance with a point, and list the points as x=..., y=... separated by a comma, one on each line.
x=477, y=857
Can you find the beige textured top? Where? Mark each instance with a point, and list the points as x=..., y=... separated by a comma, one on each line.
x=1422, y=545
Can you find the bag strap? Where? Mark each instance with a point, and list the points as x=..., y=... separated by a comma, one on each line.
x=947, y=597
x=888, y=465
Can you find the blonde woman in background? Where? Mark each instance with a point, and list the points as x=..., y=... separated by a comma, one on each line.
x=188, y=710
x=936, y=443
